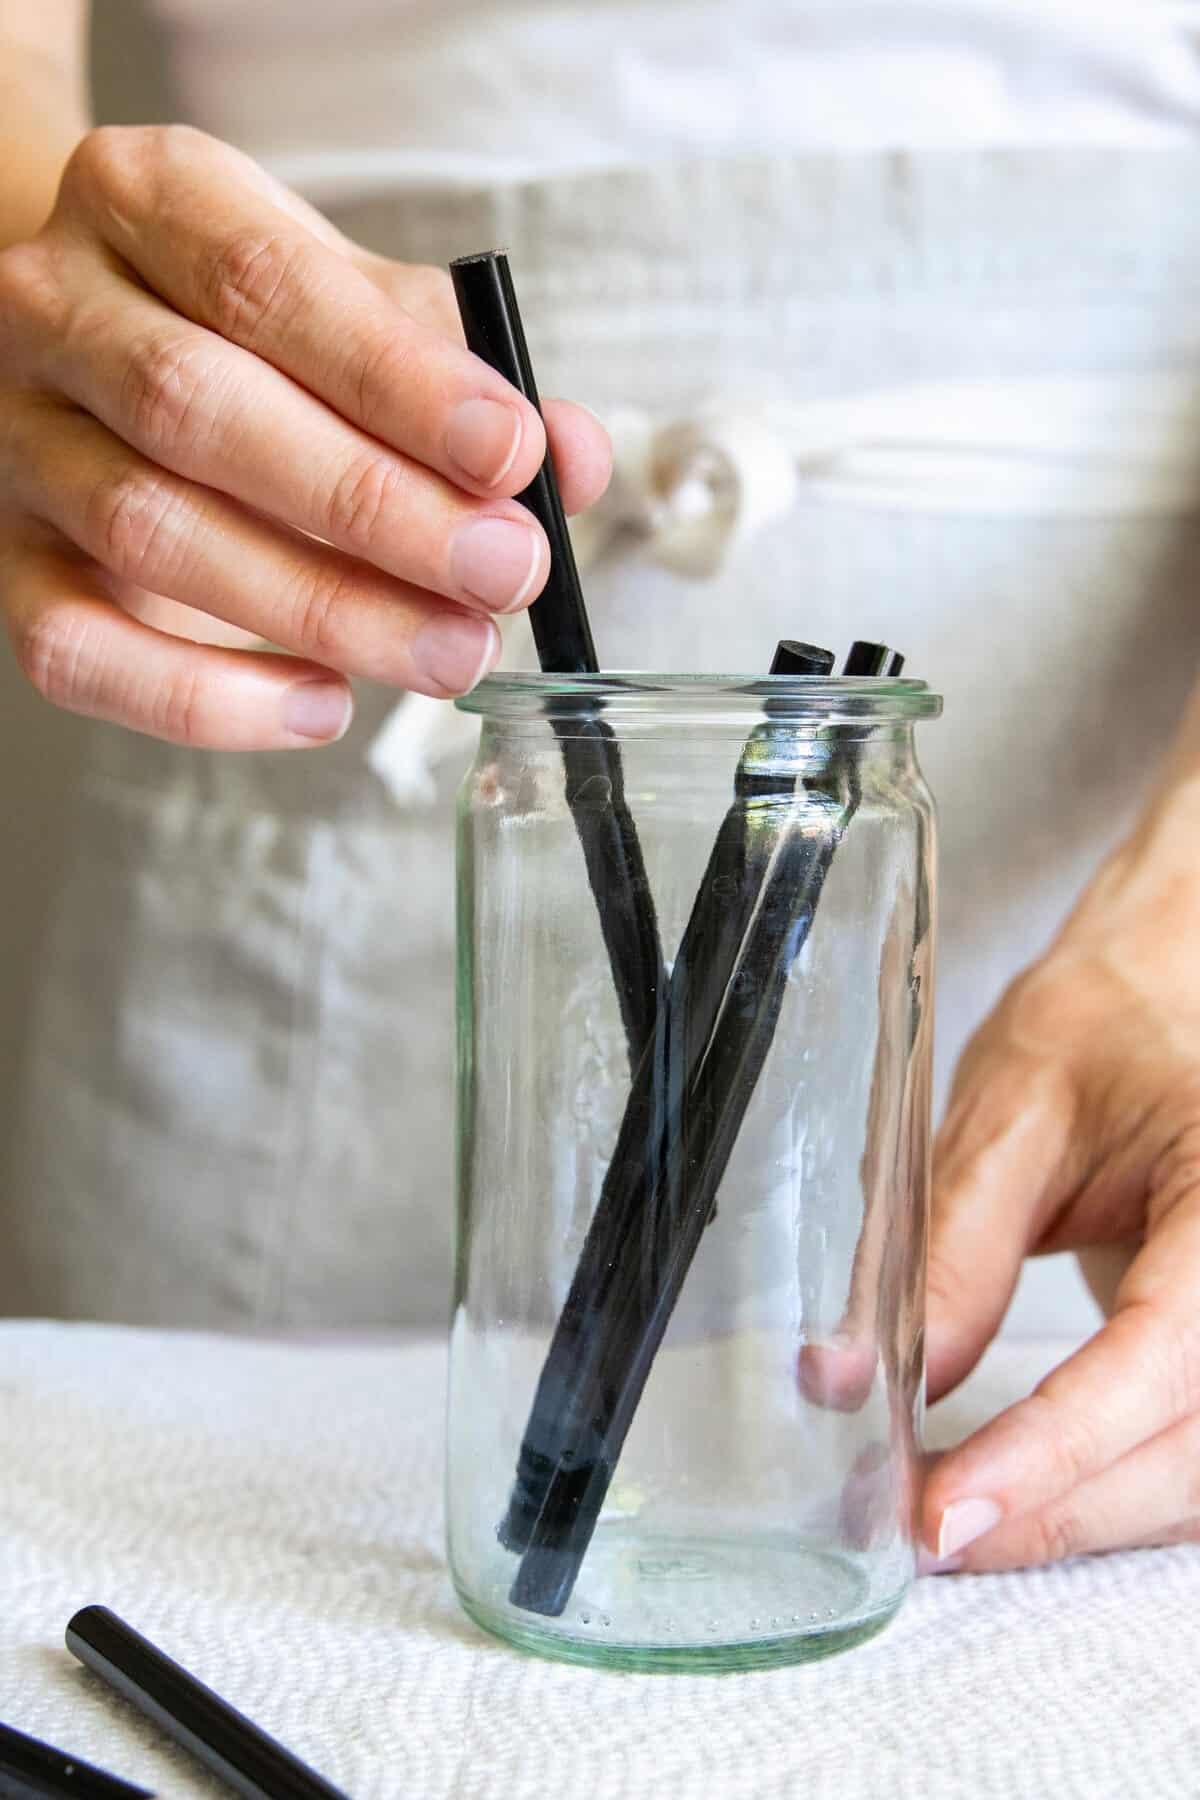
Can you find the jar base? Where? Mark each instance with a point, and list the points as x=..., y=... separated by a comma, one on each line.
x=586, y=1635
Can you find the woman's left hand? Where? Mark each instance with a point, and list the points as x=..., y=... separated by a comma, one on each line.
x=1075, y=1122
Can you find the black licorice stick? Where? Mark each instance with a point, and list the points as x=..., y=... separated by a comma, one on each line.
x=223, y=1739
x=865, y=658
x=491, y=320
x=626, y=1338
x=727, y=988
x=595, y=788
x=32, y=1770
x=612, y=1360
x=635, y=1208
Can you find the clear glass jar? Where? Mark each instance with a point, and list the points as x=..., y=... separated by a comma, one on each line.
x=695, y=931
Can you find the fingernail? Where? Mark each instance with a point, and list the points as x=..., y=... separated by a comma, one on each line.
x=457, y=652
x=496, y=561
x=321, y=710
x=928, y=1564
x=963, y=1522
x=482, y=438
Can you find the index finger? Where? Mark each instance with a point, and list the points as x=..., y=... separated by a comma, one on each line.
x=180, y=208
x=1138, y=1376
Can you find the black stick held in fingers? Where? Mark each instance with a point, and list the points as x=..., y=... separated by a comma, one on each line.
x=491, y=320
x=595, y=785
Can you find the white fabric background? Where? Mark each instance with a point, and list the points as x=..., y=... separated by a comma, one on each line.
x=501, y=90
x=271, y=1514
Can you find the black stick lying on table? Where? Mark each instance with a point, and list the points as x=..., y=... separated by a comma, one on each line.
x=31, y=1770
x=726, y=992
x=595, y=787
x=223, y=1739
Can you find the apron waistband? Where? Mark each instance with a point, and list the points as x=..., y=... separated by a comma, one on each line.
x=725, y=231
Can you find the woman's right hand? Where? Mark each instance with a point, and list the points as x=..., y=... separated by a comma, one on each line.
x=222, y=422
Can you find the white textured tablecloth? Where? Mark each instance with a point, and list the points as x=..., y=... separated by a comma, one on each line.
x=271, y=1514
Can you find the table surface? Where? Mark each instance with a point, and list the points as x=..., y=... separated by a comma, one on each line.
x=270, y=1513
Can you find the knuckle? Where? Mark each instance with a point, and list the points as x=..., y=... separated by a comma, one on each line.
x=1056, y=1533
x=363, y=493
x=132, y=165
x=321, y=614
x=432, y=282
x=1070, y=1440
x=52, y=652
x=29, y=290
x=102, y=161
x=1186, y=1357
x=1168, y=1353
x=429, y=293
x=1186, y=1531
x=16, y=449
x=249, y=283
x=1181, y=1372
x=1045, y=1012
x=175, y=145
x=945, y=1285
x=380, y=371
x=127, y=515
x=166, y=387
x=1175, y=1176
x=175, y=712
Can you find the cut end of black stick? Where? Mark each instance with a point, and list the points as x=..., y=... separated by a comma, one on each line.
x=793, y=658
x=866, y=658
x=545, y=1579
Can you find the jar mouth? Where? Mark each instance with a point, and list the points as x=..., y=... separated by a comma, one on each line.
x=618, y=693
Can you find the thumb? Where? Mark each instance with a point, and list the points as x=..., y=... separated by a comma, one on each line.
x=994, y=1182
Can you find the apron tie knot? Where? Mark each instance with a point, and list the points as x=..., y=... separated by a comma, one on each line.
x=690, y=489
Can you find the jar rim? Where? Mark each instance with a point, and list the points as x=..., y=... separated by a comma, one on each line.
x=515, y=693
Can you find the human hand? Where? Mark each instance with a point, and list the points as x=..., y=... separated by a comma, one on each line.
x=1075, y=1121
x=222, y=422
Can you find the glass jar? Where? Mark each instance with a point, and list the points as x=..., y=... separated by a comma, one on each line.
x=695, y=944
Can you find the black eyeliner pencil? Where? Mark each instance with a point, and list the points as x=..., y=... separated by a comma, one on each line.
x=223, y=1739
x=32, y=1770
x=638, y=1213
x=595, y=786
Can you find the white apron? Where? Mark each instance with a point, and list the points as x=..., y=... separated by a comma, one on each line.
x=983, y=369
